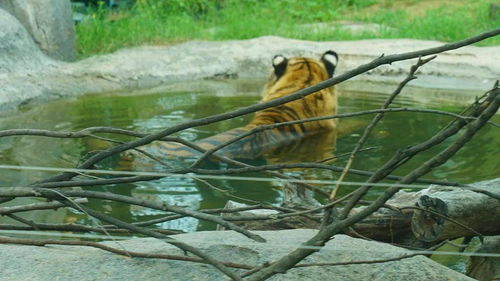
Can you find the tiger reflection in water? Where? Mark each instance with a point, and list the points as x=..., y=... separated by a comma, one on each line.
x=310, y=141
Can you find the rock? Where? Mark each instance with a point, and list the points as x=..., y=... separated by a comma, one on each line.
x=20, y=61
x=18, y=53
x=50, y=24
x=82, y=263
x=351, y=26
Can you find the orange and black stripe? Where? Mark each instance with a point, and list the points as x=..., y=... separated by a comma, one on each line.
x=289, y=76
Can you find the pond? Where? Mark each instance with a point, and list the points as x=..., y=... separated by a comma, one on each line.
x=151, y=111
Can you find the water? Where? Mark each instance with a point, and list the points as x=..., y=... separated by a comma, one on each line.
x=150, y=112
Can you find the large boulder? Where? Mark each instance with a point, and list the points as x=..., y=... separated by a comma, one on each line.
x=82, y=263
x=23, y=67
x=18, y=53
x=50, y=24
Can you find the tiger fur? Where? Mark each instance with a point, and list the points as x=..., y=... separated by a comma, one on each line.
x=289, y=76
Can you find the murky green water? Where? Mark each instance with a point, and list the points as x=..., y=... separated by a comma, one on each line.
x=152, y=112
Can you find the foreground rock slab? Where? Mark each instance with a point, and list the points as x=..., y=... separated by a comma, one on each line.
x=82, y=263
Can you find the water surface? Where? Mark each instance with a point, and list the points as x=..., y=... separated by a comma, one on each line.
x=150, y=112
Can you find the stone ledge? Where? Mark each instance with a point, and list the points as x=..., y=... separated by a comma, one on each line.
x=82, y=263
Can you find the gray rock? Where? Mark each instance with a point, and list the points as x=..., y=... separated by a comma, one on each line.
x=49, y=22
x=351, y=26
x=82, y=263
x=20, y=62
x=18, y=53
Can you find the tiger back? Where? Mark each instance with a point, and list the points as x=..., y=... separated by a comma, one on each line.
x=289, y=75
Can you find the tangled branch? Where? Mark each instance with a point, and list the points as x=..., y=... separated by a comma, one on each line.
x=465, y=125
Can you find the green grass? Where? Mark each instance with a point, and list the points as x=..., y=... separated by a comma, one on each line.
x=164, y=22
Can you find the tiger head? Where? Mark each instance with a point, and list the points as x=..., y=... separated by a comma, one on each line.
x=292, y=74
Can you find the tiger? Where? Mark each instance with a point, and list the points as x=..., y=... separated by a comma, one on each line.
x=289, y=75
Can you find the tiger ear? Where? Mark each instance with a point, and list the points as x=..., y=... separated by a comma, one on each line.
x=279, y=65
x=330, y=59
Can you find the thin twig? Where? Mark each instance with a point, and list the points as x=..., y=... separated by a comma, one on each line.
x=44, y=242
x=404, y=256
x=406, y=154
x=379, y=112
x=163, y=237
x=225, y=192
x=22, y=220
x=246, y=169
x=35, y=206
x=51, y=194
x=78, y=228
x=411, y=76
x=489, y=108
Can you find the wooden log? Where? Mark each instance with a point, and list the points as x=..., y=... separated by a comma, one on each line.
x=444, y=213
x=401, y=223
x=474, y=212
x=480, y=213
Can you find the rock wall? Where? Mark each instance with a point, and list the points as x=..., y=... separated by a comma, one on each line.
x=50, y=24
x=22, y=65
x=18, y=52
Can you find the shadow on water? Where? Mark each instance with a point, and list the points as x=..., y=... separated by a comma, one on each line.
x=150, y=112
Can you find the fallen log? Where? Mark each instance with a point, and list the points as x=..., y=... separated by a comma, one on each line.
x=415, y=219
x=448, y=213
x=435, y=214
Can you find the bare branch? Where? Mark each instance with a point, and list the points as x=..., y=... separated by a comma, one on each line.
x=411, y=76
x=44, y=242
x=475, y=118
x=247, y=169
x=406, y=154
x=78, y=228
x=163, y=237
x=47, y=193
x=401, y=257
x=36, y=206
x=487, y=109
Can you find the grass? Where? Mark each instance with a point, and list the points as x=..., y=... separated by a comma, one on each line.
x=164, y=22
